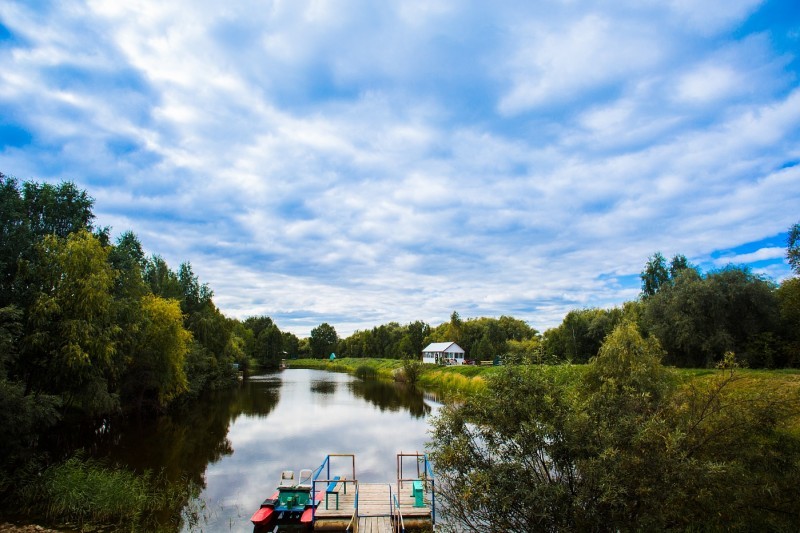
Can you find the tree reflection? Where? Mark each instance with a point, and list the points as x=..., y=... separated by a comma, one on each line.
x=391, y=396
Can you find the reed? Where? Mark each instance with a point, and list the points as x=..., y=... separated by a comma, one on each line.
x=85, y=491
x=366, y=372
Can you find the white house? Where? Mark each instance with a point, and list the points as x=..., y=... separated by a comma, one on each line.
x=443, y=353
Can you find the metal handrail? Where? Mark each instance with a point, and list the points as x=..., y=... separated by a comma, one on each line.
x=398, y=526
x=426, y=476
x=354, y=517
x=318, y=473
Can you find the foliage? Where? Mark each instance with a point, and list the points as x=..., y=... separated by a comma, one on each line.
x=657, y=276
x=70, y=335
x=699, y=318
x=156, y=371
x=483, y=338
x=323, y=341
x=412, y=368
x=388, y=340
x=580, y=335
x=788, y=295
x=83, y=490
x=793, y=248
x=624, y=446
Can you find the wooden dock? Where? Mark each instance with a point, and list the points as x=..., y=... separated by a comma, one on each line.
x=345, y=504
x=374, y=508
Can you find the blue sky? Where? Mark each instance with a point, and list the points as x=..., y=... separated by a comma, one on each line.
x=358, y=162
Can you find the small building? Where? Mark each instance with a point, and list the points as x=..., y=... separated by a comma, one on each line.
x=443, y=353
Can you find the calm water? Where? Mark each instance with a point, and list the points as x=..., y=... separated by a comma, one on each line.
x=235, y=443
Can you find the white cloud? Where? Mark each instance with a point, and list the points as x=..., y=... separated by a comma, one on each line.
x=558, y=64
x=359, y=163
x=761, y=254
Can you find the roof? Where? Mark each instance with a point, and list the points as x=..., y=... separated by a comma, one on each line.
x=442, y=347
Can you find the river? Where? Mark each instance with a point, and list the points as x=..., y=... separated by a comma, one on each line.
x=235, y=443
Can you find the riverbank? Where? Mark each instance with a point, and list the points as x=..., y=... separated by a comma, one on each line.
x=25, y=528
x=465, y=379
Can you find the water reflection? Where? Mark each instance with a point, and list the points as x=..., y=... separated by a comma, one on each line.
x=391, y=396
x=317, y=413
x=323, y=386
x=234, y=443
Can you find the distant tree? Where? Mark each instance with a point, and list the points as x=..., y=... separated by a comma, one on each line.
x=621, y=447
x=291, y=345
x=793, y=248
x=655, y=275
x=678, y=264
x=15, y=236
x=323, y=341
x=580, y=335
x=699, y=318
x=57, y=209
x=788, y=295
x=162, y=281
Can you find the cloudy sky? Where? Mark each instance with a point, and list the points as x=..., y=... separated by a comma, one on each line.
x=358, y=162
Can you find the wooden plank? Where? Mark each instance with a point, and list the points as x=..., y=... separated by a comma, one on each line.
x=374, y=524
x=374, y=508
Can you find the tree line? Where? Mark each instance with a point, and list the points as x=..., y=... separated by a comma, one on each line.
x=696, y=316
x=90, y=328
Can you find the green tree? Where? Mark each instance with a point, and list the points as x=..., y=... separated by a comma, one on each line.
x=699, y=318
x=655, y=274
x=57, y=209
x=580, y=335
x=162, y=281
x=622, y=447
x=788, y=295
x=70, y=334
x=15, y=236
x=323, y=341
x=793, y=248
x=155, y=374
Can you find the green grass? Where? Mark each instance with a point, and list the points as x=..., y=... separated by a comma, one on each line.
x=85, y=491
x=466, y=379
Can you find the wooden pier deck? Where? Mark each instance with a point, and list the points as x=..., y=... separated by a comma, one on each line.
x=374, y=508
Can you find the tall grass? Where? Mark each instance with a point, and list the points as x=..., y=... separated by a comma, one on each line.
x=366, y=372
x=85, y=491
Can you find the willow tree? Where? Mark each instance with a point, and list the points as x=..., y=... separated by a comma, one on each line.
x=155, y=372
x=70, y=332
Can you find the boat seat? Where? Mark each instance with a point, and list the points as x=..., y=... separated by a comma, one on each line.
x=287, y=478
x=305, y=478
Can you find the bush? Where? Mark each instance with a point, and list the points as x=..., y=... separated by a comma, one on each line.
x=86, y=491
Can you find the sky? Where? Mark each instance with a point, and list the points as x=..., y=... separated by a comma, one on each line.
x=358, y=162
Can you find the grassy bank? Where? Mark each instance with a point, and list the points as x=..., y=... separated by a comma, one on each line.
x=467, y=378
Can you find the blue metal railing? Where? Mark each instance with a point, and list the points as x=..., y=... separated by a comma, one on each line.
x=429, y=473
x=397, y=514
x=318, y=472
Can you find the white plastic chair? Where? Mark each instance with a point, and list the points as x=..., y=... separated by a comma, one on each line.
x=305, y=478
x=287, y=478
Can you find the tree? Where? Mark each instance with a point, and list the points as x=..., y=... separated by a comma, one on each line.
x=793, y=248
x=580, y=335
x=70, y=337
x=155, y=374
x=162, y=281
x=14, y=236
x=655, y=275
x=788, y=295
x=323, y=341
x=699, y=318
x=622, y=447
x=678, y=264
